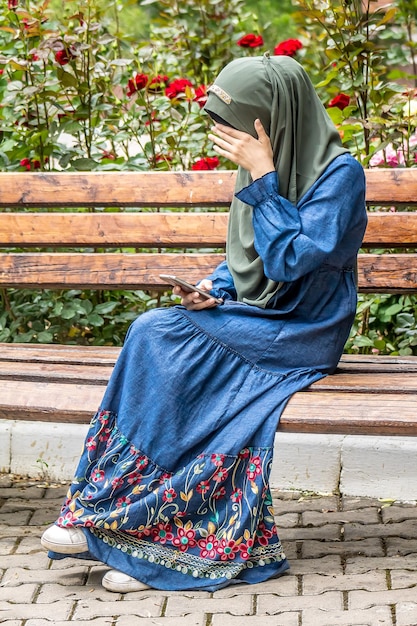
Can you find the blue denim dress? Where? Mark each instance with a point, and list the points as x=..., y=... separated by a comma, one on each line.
x=172, y=486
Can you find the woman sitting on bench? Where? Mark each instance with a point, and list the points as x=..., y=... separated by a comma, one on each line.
x=172, y=489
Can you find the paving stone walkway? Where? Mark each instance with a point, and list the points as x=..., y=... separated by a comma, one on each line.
x=353, y=563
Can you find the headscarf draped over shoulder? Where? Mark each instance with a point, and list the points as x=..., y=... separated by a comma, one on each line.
x=304, y=140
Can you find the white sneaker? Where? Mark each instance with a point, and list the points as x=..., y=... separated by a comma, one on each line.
x=122, y=583
x=64, y=540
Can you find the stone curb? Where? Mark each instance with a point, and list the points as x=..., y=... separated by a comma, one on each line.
x=376, y=467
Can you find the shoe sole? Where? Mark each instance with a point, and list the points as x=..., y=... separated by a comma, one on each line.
x=124, y=587
x=71, y=548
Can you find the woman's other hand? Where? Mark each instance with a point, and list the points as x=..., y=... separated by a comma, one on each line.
x=254, y=155
x=194, y=301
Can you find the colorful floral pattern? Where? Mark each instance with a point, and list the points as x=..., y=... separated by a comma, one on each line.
x=213, y=518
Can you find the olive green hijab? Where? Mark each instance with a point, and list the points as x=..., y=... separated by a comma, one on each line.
x=304, y=141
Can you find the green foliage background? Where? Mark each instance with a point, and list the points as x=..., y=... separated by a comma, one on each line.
x=84, y=114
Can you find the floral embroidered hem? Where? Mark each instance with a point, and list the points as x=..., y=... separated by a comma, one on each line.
x=211, y=521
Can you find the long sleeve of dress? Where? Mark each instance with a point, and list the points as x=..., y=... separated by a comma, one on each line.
x=294, y=240
x=223, y=285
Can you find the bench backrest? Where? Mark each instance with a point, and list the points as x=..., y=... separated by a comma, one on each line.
x=128, y=216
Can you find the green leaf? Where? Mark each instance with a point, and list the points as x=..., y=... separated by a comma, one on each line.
x=379, y=344
x=24, y=337
x=120, y=62
x=106, y=307
x=67, y=79
x=18, y=66
x=392, y=310
x=68, y=312
x=363, y=341
x=84, y=164
x=38, y=326
x=95, y=320
x=45, y=337
x=406, y=319
x=5, y=334
x=71, y=127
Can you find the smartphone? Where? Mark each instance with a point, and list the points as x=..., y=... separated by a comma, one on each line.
x=174, y=280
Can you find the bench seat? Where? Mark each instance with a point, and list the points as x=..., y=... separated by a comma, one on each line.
x=367, y=395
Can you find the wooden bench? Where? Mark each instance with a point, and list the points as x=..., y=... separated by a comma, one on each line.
x=368, y=394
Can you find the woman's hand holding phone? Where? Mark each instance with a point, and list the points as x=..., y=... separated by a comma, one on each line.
x=194, y=301
x=193, y=297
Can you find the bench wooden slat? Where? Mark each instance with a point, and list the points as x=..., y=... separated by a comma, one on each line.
x=97, y=271
x=108, y=230
x=93, y=365
x=306, y=412
x=351, y=413
x=404, y=359
x=58, y=353
x=385, y=186
x=369, y=382
x=116, y=189
x=64, y=372
x=391, y=230
x=358, y=363
x=33, y=351
x=49, y=402
x=164, y=230
x=375, y=366
x=376, y=273
x=387, y=273
x=388, y=186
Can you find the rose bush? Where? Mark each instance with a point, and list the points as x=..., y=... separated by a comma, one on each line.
x=72, y=100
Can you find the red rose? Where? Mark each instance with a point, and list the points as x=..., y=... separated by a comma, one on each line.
x=207, y=163
x=136, y=83
x=288, y=48
x=141, y=80
x=250, y=41
x=1, y=72
x=176, y=87
x=34, y=164
x=64, y=56
x=201, y=95
x=12, y=4
x=158, y=82
x=340, y=101
x=131, y=87
x=25, y=163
